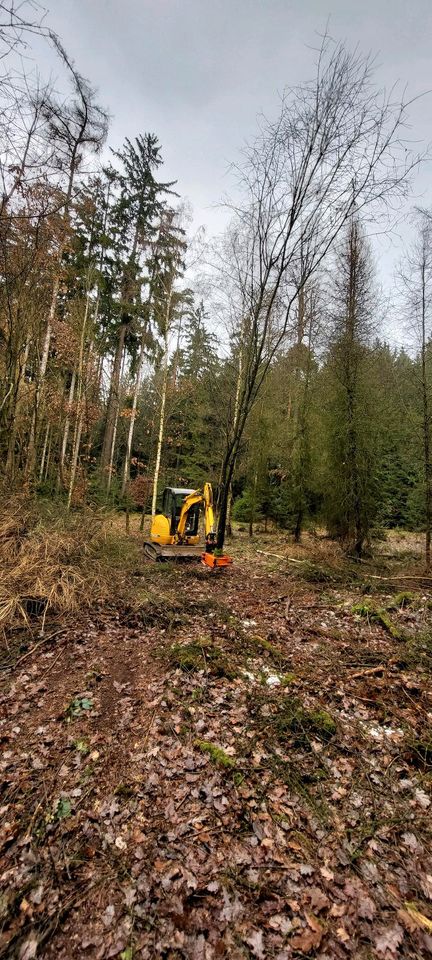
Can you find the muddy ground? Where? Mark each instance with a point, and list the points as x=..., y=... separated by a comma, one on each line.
x=233, y=765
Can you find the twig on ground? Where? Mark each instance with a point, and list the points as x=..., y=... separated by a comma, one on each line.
x=57, y=633
x=371, y=670
x=278, y=556
x=418, y=576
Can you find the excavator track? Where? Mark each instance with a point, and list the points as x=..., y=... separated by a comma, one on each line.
x=152, y=551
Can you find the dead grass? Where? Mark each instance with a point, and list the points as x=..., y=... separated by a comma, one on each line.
x=52, y=563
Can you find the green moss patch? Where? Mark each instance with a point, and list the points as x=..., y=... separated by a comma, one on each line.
x=216, y=754
x=264, y=645
x=202, y=655
x=377, y=615
x=401, y=600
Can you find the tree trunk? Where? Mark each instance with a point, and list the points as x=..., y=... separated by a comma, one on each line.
x=81, y=382
x=67, y=421
x=302, y=424
x=44, y=450
x=111, y=460
x=113, y=407
x=162, y=408
x=426, y=424
x=31, y=454
x=229, y=512
x=133, y=417
x=74, y=461
x=226, y=481
x=31, y=450
x=10, y=458
x=48, y=456
x=253, y=505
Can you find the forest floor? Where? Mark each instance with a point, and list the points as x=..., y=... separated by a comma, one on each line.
x=232, y=765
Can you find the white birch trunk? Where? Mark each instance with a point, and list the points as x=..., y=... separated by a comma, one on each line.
x=67, y=422
x=31, y=456
x=74, y=463
x=162, y=409
x=44, y=450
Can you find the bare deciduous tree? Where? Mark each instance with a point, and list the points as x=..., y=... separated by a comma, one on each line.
x=337, y=145
x=75, y=126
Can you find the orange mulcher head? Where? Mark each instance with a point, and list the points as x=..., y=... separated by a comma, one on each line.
x=211, y=560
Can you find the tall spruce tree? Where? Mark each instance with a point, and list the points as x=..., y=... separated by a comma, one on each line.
x=351, y=488
x=133, y=222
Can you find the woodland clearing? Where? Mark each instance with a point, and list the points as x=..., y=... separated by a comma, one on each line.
x=204, y=764
x=232, y=765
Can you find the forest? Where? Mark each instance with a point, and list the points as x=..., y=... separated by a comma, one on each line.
x=135, y=355
x=237, y=763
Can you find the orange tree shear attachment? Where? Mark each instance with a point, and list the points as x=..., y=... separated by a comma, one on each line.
x=212, y=560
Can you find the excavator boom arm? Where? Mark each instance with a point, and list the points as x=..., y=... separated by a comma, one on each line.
x=204, y=497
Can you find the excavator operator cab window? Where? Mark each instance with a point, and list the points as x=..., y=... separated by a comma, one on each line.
x=172, y=503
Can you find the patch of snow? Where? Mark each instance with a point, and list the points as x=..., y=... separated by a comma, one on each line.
x=249, y=675
x=379, y=733
x=273, y=680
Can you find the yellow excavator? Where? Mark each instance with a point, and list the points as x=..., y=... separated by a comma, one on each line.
x=175, y=533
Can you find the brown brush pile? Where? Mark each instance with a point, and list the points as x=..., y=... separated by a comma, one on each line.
x=52, y=563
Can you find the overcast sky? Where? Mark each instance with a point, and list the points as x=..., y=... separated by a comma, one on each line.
x=198, y=72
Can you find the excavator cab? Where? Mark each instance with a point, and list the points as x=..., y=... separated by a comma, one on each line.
x=172, y=502
x=165, y=541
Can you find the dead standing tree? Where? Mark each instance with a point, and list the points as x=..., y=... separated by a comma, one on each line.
x=337, y=145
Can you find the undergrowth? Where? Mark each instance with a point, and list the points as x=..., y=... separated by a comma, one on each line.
x=52, y=562
x=286, y=716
